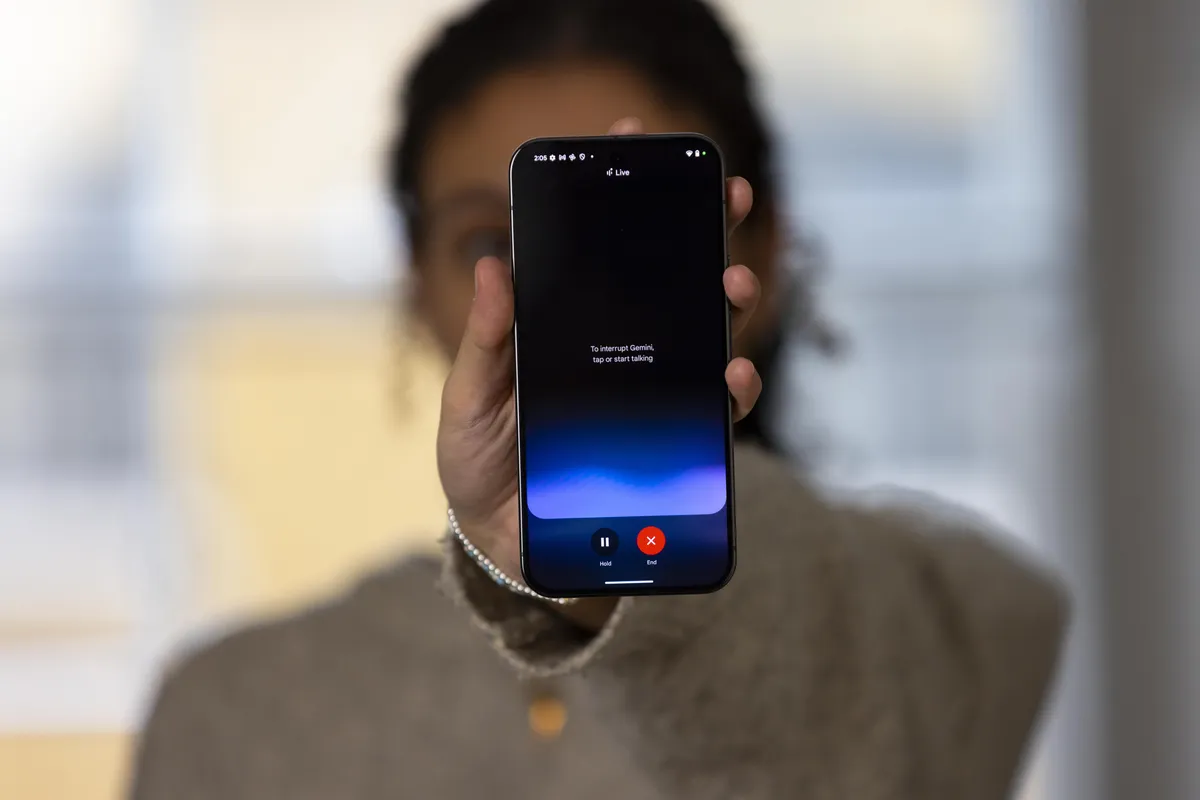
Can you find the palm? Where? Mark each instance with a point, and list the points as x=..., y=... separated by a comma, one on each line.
x=478, y=466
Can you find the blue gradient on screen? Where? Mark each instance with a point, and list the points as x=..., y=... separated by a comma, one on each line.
x=625, y=468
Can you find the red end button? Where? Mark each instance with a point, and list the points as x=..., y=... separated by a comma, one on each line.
x=651, y=541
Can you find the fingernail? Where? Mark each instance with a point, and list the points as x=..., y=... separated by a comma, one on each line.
x=476, y=291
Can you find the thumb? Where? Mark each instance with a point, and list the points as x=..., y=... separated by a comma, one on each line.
x=480, y=379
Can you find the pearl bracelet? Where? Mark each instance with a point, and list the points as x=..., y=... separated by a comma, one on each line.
x=495, y=572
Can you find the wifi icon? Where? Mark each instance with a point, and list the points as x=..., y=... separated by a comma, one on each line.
x=689, y=152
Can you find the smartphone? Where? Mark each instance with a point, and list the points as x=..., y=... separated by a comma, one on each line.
x=622, y=338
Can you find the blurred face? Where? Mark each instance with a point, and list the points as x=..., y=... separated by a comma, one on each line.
x=464, y=180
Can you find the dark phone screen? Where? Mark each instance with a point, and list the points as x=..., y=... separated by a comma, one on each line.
x=622, y=344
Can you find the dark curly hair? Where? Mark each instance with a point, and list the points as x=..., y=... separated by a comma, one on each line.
x=680, y=46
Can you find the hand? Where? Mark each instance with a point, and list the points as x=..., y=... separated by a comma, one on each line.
x=477, y=434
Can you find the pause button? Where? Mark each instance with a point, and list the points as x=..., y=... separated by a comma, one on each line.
x=604, y=541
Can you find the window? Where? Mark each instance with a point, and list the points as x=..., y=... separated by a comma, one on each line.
x=145, y=179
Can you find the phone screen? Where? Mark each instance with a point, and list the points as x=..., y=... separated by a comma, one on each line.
x=622, y=339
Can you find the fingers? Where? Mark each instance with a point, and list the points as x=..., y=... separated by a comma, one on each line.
x=743, y=290
x=480, y=379
x=739, y=199
x=628, y=126
x=745, y=386
x=741, y=285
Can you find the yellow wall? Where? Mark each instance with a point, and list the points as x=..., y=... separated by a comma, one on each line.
x=311, y=437
x=303, y=442
x=66, y=766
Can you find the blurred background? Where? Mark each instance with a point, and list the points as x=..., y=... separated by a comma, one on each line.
x=209, y=412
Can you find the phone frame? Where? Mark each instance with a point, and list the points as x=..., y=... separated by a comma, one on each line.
x=730, y=506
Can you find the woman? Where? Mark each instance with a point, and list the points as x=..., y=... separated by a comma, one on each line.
x=858, y=653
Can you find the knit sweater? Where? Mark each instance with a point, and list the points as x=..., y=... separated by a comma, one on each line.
x=864, y=651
